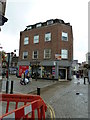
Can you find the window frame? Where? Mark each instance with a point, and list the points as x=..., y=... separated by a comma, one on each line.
x=29, y=27
x=25, y=55
x=26, y=41
x=49, y=54
x=48, y=35
x=33, y=54
x=36, y=40
x=38, y=25
x=50, y=22
x=64, y=53
x=64, y=36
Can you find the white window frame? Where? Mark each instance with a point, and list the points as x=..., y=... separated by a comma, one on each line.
x=47, y=53
x=38, y=25
x=64, y=36
x=36, y=39
x=33, y=54
x=49, y=22
x=64, y=54
x=25, y=53
x=26, y=40
x=29, y=27
x=48, y=37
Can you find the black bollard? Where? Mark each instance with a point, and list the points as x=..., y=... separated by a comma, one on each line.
x=7, y=86
x=38, y=91
x=84, y=80
x=11, y=91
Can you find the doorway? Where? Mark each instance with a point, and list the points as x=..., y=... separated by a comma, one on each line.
x=62, y=73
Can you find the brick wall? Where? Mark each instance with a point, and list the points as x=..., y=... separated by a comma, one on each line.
x=56, y=44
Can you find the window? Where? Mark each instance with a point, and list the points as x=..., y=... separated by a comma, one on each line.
x=48, y=37
x=64, y=36
x=47, y=53
x=29, y=27
x=38, y=25
x=35, y=54
x=49, y=22
x=26, y=40
x=36, y=39
x=25, y=55
x=64, y=53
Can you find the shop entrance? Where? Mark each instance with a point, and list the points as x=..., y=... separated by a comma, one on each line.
x=62, y=73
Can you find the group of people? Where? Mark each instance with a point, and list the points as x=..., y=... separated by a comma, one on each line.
x=84, y=75
x=25, y=78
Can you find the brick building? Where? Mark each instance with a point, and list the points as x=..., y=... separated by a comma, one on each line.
x=43, y=44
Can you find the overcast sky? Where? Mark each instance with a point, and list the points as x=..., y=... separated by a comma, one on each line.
x=21, y=13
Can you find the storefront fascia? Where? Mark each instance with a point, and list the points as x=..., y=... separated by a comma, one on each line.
x=56, y=67
x=59, y=65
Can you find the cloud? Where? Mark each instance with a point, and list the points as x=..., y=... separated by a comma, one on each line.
x=21, y=13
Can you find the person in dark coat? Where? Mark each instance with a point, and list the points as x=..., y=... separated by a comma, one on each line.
x=77, y=75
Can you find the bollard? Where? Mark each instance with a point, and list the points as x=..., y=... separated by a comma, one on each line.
x=11, y=91
x=7, y=85
x=38, y=91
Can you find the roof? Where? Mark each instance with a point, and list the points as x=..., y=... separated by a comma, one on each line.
x=48, y=22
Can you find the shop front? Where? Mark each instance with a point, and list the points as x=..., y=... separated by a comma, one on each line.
x=50, y=69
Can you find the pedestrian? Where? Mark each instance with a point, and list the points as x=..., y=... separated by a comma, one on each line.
x=77, y=76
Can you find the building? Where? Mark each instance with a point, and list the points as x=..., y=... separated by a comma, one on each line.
x=47, y=47
x=88, y=58
x=75, y=66
x=3, y=19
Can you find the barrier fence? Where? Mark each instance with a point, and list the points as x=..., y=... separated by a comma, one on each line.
x=31, y=103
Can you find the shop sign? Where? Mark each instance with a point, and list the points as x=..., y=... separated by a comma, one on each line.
x=58, y=56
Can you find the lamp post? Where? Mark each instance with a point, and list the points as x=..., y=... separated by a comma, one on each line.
x=7, y=73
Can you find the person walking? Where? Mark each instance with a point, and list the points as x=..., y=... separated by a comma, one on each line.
x=77, y=76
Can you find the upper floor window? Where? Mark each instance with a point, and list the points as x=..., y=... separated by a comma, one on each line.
x=49, y=22
x=25, y=55
x=64, y=54
x=29, y=27
x=38, y=25
x=26, y=40
x=35, y=54
x=36, y=39
x=64, y=36
x=48, y=37
x=47, y=53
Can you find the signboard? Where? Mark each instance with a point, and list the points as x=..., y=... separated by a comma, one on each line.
x=58, y=56
x=22, y=69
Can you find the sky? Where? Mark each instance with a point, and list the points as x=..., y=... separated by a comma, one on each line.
x=21, y=13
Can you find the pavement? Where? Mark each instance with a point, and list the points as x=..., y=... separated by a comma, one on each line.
x=31, y=87
x=75, y=93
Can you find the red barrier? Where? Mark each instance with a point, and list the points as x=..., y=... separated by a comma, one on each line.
x=32, y=103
